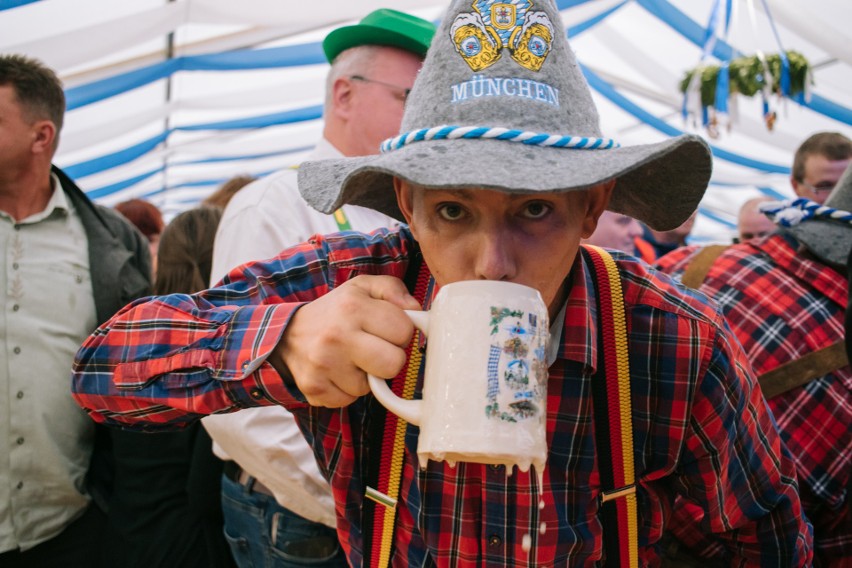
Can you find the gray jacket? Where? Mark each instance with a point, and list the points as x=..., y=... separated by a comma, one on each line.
x=118, y=253
x=120, y=265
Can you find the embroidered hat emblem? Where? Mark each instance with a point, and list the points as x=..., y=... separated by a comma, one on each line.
x=481, y=36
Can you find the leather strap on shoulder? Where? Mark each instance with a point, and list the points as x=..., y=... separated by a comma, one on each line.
x=700, y=265
x=790, y=375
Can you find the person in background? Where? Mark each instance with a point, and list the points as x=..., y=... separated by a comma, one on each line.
x=278, y=505
x=66, y=265
x=785, y=297
x=166, y=512
x=616, y=231
x=818, y=164
x=751, y=222
x=223, y=195
x=506, y=197
x=653, y=244
x=146, y=217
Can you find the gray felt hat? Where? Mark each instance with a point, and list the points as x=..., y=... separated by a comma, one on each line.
x=829, y=237
x=502, y=104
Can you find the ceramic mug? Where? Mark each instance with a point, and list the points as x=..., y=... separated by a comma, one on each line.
x=485, y=382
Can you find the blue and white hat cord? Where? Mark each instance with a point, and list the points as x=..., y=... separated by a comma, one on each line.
x=497, y=133
x=791, y=213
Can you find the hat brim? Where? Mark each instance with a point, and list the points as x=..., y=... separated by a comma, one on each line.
x=341, y=39
x=826, y=239
x=660, y=184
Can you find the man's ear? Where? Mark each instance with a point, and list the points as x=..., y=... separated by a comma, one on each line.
x=796, y=189
x=596, y=203
x=404, y=198
x=44, y=135
x=341, y=97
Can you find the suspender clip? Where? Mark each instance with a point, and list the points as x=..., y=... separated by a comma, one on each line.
x=380, y=498
x=618, y=493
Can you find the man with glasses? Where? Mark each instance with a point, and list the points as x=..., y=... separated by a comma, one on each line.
x=278, y=507
x=818, y=164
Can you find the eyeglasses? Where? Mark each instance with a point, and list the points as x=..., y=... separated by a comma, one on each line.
x=403, y=90
x=823, y=188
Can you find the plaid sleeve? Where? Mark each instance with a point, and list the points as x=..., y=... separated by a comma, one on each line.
x=165, y=361
x=735, y=469
x=162, y=362
x=676, y=261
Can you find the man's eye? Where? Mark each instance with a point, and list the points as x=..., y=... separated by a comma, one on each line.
x=536, y=210
x=450, y=211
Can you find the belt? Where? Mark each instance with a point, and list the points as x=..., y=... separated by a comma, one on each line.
x=235, y=473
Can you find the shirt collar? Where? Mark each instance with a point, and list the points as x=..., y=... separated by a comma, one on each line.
x=58, y=202
x=578, y=341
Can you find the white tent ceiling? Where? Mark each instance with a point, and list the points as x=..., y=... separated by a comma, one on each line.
x=167, y=99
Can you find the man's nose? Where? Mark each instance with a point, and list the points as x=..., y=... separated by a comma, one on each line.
x=495, y=257
x=635, y=229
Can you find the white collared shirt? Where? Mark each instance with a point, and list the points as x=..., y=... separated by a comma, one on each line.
x=48, y=309
x=262, y=219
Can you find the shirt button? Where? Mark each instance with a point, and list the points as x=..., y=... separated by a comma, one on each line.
x=79, y=279
x=16, y=307
x=256, y=393
x=15, y=265
x=16, y=350
x=494, y=541
x=19, y=485
x=20, y=394
x=20, y=441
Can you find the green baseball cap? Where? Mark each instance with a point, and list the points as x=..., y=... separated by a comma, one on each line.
x=382, y=27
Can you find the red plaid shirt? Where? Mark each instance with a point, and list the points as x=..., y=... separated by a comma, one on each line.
x=783, y=305
x=700, y=427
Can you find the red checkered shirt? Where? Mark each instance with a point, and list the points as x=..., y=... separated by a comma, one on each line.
x=700, y=427
x=783, y=305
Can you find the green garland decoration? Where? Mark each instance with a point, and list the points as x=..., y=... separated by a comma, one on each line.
x=746, y=76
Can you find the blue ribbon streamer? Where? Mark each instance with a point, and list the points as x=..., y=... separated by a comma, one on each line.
x=723, y=88
x=608, y=91
x=785, y=63
x=692, y=31
x=710, y=31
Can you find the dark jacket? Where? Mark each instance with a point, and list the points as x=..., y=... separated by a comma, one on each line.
x=120, y=265
x=118, y=253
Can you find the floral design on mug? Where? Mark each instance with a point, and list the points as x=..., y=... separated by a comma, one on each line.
x=499, y=314
x=511, y=365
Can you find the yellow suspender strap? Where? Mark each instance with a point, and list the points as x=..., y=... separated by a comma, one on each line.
x=386, y=441
x=613, y=417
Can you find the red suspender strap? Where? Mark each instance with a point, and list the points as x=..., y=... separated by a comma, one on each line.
x=613, y=416
x=385, y=442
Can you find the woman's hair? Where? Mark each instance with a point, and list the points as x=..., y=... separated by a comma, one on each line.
x=144, y=215
x=186, y=251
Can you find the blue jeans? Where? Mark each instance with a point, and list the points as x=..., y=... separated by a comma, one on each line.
x=263, y=534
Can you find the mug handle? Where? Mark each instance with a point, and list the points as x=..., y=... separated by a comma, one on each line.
x=409, y=410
